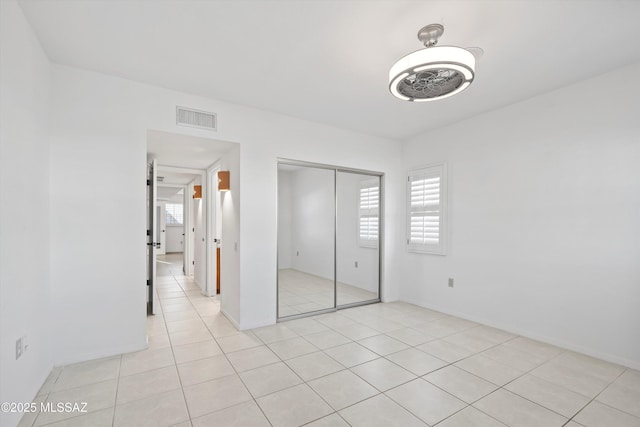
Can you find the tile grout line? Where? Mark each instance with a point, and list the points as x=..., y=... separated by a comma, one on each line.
x=470, y=373
x=115, y=401
x=236, y=373
x=175, y=362
x=602, y=403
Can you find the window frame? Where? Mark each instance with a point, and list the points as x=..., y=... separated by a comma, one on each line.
x=426, y=172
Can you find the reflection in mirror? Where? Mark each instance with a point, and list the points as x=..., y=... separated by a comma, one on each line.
x=357, y=244
x=306, y=231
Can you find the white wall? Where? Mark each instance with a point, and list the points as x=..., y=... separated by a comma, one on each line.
x=285, y=251
x=24, y=217
x=97, y=254
x=230, y=239
x=544, y=216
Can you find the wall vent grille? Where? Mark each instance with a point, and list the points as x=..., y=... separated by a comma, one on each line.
x=196, y=118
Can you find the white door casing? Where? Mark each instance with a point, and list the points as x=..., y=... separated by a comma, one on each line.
x=152, y=224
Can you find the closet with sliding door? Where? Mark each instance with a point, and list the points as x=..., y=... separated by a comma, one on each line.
x=329, y=238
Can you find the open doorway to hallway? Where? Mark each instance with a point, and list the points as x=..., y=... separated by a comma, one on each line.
x=189, y=226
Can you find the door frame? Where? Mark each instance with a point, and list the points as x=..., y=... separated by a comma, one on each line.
x=162, y=226
x=213, y=216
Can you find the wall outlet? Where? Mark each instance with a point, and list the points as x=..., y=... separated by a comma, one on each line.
x=356, y=264
x=450, y=282
x=19, y=348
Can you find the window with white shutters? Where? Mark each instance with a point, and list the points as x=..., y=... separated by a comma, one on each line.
x=426, y=211
x=369, y=212
x=174, y=214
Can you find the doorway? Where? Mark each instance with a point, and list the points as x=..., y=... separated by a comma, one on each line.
x=329, y=238
x=183, y=163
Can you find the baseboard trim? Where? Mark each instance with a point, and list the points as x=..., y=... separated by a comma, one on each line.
x=230, y=318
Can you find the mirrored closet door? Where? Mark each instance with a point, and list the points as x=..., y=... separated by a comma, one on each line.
x=306, y=230
x=357, y=235
x=328, y=238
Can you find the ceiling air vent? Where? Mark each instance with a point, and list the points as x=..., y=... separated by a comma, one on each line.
x=196, y=118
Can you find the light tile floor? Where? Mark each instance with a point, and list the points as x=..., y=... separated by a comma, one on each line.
x=385, y=365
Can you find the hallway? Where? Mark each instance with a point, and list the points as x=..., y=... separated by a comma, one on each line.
x=392, y=364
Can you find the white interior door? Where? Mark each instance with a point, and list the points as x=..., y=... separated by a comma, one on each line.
x=152, y=232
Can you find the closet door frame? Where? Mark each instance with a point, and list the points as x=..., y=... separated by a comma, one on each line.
x=335, y=169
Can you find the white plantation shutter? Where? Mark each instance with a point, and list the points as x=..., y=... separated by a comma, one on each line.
x=426, y=210
x=369, y=212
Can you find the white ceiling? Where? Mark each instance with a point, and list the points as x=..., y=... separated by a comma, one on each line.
x=173, y=178
x=328, y=61
x=171, y=149
x=169, y=193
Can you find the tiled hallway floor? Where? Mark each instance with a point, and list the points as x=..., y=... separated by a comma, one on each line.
x=380, y=365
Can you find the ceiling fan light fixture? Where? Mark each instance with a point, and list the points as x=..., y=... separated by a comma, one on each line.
x=433, y=72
